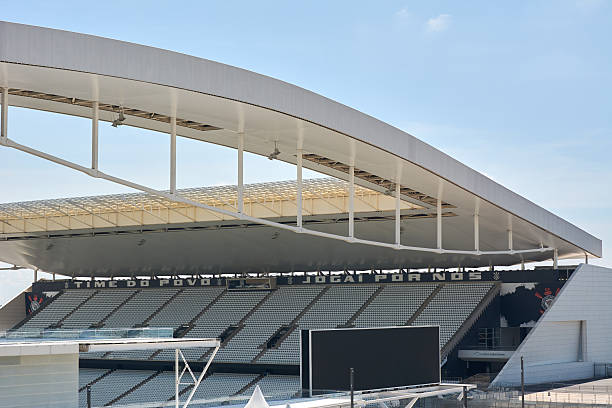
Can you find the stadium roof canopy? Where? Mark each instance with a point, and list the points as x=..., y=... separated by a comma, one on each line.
x=465, y=218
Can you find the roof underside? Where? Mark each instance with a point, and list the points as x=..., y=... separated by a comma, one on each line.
x=65, y=72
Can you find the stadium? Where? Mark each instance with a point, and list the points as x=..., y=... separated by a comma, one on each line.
x=220, y=283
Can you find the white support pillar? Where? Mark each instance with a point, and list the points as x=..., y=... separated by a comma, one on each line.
x=398, y=202
x=439, y=224
x=94, y=135
x=241, y=173
x=351, y=201
x=173, y=155
x=510, y=239
x=35, y=275
x=477, y=225
x=4, y=116
x=555, y=258
x=176, y=378
x=299, y=187
x=439, y=217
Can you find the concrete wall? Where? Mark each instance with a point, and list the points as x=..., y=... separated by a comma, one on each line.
x=13, y=312
x=41, y=381
x=571, y=336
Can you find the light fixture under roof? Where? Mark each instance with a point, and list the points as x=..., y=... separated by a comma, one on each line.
x=275, y=153
x=120, y=119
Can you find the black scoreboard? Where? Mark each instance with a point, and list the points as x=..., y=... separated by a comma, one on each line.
x=381, y=358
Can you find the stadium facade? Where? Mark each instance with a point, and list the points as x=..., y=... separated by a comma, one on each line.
x=246, y=263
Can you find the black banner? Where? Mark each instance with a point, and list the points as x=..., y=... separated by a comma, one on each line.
x=33, y=301
x=540, y=275
x=523, y=304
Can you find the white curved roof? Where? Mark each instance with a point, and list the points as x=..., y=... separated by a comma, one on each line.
x=214, y=102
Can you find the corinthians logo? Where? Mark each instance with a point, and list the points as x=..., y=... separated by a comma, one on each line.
x=35, y=301
x=547, y=299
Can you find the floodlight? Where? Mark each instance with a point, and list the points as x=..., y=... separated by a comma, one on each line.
x=119, y=120
x=275, y=153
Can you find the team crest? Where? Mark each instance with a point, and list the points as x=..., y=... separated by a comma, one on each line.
x=547, y=299
x=33, y=302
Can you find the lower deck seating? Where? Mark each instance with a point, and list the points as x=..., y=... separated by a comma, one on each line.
x=158, y=389
x=113, y=385
x=215, y=390
x=277, y=387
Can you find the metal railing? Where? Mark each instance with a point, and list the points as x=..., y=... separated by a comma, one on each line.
x=85, y=334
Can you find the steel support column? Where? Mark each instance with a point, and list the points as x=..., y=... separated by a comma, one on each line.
x=555, y=258
x=176, y=378
x=439, y=217
x=241, y=173
x=439, y=224
x=94, y=135
x=299, y=188
x=398, y=202
x=199, y=380
x=173, y=155
x=351, y=203
x=4, y=116
x=477, y=225
x=510, y=239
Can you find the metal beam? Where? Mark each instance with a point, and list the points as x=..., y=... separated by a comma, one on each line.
x=94, y=135
x=398, y=202
x=439, y=225
x=176, y=378
x=178, y=198
x=4, y=116
x=477, y=225
x=351, y=205
x=439, y=217
x=299, y=188
x=197, y=383
x=241, y=173
x=510, y=238
x=173, y=155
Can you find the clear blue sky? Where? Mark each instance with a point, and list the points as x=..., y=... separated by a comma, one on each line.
x=520, y=91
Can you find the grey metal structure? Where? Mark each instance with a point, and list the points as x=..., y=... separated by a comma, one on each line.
x=135, y=85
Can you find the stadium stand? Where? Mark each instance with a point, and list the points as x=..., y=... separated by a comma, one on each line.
x=446, y=311
x=184, y=307
x=158, y=388
x=277, y=386
x=62, y=305
x=281, y=308
x=231, y=308
x=97, y=308
x=333, y=309
x=113, y=385
x=255, y=326
x=394, y=305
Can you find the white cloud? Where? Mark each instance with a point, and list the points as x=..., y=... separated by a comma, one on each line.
x=440, y=23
